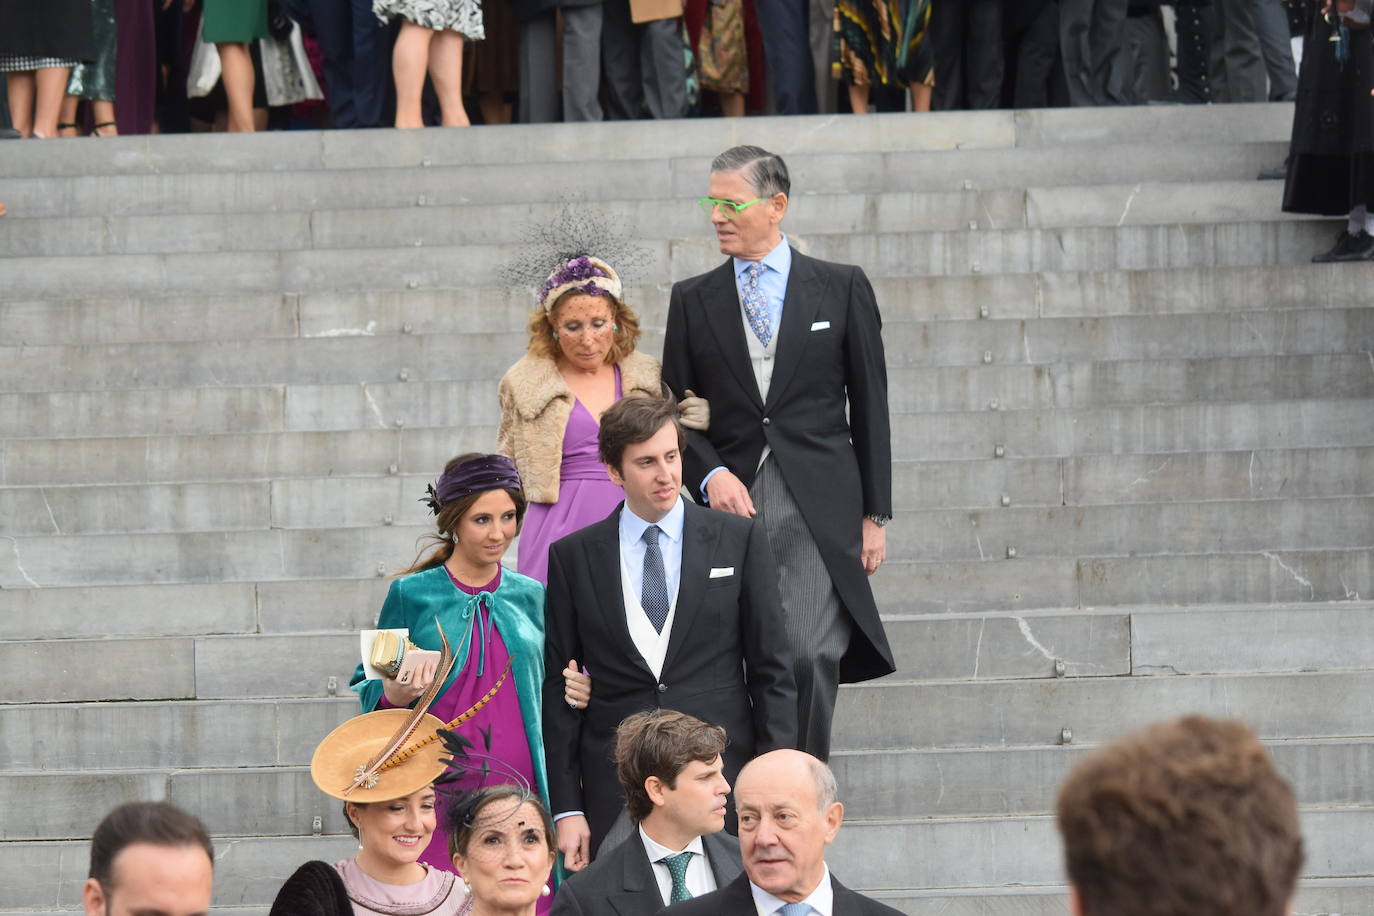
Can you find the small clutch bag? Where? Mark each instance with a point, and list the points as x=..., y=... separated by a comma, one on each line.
x=389, y=651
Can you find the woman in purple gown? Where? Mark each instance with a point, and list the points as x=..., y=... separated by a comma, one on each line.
x=581, y=359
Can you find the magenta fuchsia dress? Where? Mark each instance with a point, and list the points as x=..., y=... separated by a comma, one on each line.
x=585, y=493
x=499, y=722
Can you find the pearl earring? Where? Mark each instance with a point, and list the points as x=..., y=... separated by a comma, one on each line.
x=555, y=335
x=544, y=891
x=615, y=329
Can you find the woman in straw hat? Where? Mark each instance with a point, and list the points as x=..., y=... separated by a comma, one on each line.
x=493, y=617
x=383, y=766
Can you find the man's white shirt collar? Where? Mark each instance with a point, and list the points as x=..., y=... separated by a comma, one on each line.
x=656, y=850
x=821, y=900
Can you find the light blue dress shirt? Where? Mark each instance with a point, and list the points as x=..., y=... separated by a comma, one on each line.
x=669, y=544
x=777, y=267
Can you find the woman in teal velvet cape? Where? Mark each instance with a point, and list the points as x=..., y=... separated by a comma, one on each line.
x=490, y=616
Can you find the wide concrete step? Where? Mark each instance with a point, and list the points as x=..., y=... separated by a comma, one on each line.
x=892, y=714
x=430, y=357
x=944, y=647
x=884, y=211
x=152, y=316
x=951, y=436
x=283, y=801
x=1004, y=851
x=355, y=406
x=938, y=253
x=1145, y=130
x=362, y=501
x=44, y=876
x=944, y=535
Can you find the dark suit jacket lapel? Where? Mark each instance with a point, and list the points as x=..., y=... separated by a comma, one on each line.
x=604, y=556
x=720, y=304
x=805, y=288
x=697, y=537
x=639, y=889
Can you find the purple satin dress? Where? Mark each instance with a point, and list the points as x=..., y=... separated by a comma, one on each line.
x=585, y=493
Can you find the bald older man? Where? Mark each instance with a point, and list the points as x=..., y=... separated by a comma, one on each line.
x=788, y=815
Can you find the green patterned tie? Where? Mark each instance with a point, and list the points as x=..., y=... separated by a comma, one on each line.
x=677, y=867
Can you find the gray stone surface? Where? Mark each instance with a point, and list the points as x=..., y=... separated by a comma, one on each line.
x=1273, y=638
x=146, y=316
x=274, y=801
x=298, y=665
x=73, y=670
x=234, y=556
x=990, y=646
x=906, y=586
x=328, y=604
x=131, y=610
x=225, y=733
x=894, y=714
x=1333, y=574
x=68, y=805
x=107, y=509
x=348, y=502
x=1289, y=473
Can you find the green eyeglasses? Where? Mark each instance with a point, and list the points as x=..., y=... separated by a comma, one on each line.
x=728, y=208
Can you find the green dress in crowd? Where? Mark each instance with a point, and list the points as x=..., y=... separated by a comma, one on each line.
x=96, y=80
x=234, y=20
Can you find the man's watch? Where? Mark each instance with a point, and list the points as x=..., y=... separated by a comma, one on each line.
x=879, y=520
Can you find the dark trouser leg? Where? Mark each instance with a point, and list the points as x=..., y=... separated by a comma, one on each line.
x=1239, y=71
x=1195, y=27
x=1036, y=62
x=1271, y=22
x=581, y=62
x=1149, y=47
x=822, y=31
x=947, y=47
x=787, y=48
x=620, y=62
x=334, y=31
x=663, y=69
x=539, y=102
x=1075, y=25
x=984, y=57
x=371, y=67
x=1111, y=67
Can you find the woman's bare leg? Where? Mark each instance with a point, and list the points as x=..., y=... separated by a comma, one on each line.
x=920, y=97
x=104, y=114
x=236, y=64
x=21, y=91
x=409, y=62
x=446, y=72
x=732, y=104
x=66, y=119
x=858, y=99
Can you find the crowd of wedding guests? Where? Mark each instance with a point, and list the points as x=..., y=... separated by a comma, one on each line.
x=102, y=67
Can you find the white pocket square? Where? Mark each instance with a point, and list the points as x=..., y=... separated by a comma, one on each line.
x=720, y=572
x=820, y=326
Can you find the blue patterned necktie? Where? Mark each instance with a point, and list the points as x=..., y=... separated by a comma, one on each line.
x=677, y=867
x=756, y=305
x=794, y=909
x=653, y=591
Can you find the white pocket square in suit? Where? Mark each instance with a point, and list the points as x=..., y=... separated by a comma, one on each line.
x=820, y=326
x=720, y=572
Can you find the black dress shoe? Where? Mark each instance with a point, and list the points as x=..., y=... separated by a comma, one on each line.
x=1357, y=247
x=8, y=133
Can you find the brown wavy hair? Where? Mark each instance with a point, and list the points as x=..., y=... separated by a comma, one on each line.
x=627, y=334
x=660, y=742
x=1183, y=817
x=449, y=517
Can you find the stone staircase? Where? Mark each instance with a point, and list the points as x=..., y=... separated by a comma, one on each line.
x=1134, y=432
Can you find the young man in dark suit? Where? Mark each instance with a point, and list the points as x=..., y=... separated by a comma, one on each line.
x=669, y=606
x=788, y=813
x=670, y=770
x=789, y=352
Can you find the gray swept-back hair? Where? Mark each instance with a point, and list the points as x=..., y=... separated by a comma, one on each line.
x=765, y=171
x=827, y=792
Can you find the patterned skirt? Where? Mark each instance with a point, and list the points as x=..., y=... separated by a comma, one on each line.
x=462, y=16
x=881, y=42
x=722, y=57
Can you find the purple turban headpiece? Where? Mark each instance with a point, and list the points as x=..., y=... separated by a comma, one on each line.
x=585, y=274
x=477, y=475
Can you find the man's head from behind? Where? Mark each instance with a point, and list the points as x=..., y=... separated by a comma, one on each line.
x=641, y=442
x=788, y=814
x=670, y=770
x=151, y=859
x=1178, y=819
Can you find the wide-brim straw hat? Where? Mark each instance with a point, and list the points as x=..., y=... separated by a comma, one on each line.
x=351, y=746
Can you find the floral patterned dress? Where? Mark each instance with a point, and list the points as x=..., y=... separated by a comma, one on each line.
x=462, y=16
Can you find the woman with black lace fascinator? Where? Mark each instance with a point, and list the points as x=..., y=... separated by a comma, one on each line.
x=580, y=359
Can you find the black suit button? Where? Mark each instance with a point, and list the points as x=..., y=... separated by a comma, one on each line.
x=766, y=421
x=662, y=688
